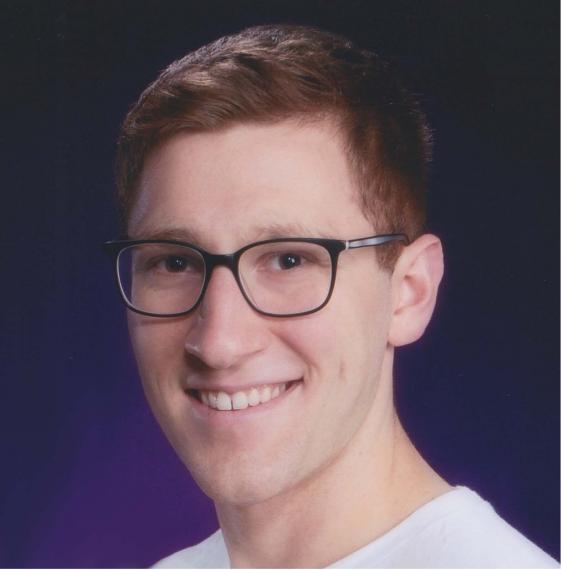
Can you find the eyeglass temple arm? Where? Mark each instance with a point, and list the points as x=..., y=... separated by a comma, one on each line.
x=376, y=240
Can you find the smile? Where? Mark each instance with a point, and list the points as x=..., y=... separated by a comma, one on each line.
x=241, y=399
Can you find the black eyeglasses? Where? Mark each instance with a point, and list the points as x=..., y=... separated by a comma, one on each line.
x=285, y=277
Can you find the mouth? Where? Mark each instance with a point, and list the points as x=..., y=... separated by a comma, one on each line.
x=253, y=397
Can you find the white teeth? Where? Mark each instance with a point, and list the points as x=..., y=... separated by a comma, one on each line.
x=212, y=399
x=223, y=401
x=253, y=398
x=242, y=399
x=265, y=394
x=239, y=401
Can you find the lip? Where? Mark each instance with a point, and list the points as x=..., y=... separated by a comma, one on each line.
x=205, y=413
x=231, y=390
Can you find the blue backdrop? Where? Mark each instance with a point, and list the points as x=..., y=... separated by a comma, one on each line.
x=86, y=478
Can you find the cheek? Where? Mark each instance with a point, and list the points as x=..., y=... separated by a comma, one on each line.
x=349, y=330
x=158, y=345
x=331, y=345
x=344, y=347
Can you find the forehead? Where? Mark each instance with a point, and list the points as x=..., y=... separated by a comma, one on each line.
x=249, y=182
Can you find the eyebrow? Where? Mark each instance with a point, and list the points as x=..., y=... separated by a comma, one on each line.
x=165, y=233
x=279, y=230
x=260, y=232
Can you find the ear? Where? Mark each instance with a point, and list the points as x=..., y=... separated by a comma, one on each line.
x=415, y=280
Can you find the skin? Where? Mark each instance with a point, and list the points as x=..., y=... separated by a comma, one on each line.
x=333, y=444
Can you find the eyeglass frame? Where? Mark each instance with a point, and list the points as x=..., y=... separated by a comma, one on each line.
x=231, y=260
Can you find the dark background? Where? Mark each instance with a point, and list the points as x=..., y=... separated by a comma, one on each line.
x=86, y=477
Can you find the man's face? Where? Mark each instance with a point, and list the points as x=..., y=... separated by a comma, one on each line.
x=221, y=191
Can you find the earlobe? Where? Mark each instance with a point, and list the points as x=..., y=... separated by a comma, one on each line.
x=415, y=282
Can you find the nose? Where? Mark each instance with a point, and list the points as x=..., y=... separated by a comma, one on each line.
x=224, y=329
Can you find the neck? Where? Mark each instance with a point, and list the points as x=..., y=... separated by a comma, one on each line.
x=376, y=482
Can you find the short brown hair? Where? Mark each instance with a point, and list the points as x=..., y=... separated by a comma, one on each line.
x=273, y=73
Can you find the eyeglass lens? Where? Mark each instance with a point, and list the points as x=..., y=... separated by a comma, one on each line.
x=279, y=278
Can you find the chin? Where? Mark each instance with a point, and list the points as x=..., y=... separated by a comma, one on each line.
x=240, y=482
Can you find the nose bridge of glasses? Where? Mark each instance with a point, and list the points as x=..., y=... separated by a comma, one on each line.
x=213, y=260
x=228, y=260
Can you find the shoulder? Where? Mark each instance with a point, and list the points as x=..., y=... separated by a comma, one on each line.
x=210, y=553
x=470, y=532
x=456, y=530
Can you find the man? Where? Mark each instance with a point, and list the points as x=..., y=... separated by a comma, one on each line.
x=272, y=189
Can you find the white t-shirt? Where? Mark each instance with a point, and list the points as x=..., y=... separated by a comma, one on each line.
x=456, y=530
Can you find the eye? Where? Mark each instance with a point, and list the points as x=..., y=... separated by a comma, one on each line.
x=288, y=260
x=171, y=264
x=176, y=263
